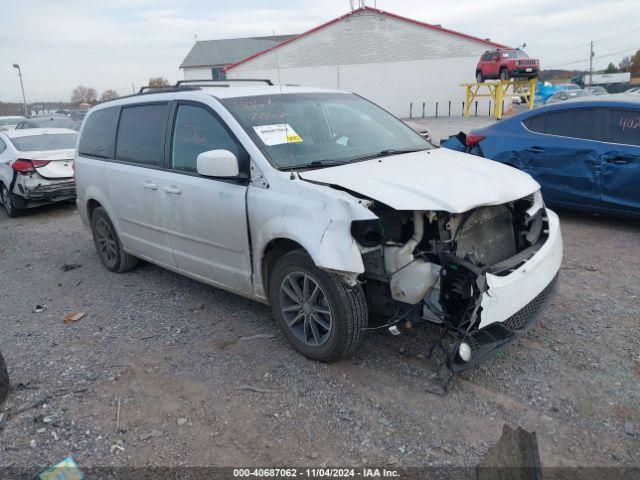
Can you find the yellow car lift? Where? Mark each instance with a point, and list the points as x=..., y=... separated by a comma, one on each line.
x=498, y=90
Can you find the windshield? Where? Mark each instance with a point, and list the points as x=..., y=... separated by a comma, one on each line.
x=321, y=128
x=514, y=54
x=52, y=141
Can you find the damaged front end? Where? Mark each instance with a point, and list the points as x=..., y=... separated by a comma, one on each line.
x=435, y=266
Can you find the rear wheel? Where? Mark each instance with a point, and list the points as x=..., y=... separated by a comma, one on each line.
x=108, y=245
x=8, y=201
x=479, y=78
x=322, y=317
x=504, y=74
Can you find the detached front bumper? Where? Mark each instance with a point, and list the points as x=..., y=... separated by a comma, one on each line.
x=514, y=302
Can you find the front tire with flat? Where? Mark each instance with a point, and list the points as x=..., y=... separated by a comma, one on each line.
x=320, y=314
x=108, y=245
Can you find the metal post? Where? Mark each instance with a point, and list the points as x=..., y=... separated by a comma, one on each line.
x=24, y=99
x=411, y=110
x=423, y=107
x=449, y=107
x=462, y=108
x=476, y=112
x=489, y=113
x=591, y=64
x=436, y=109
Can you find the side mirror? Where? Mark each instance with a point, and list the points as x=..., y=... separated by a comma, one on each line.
x=217, y=163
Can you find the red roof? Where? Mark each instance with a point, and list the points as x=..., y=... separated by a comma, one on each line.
x=389, y=14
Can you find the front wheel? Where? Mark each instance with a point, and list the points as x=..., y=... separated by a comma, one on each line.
x=479, y=78
x=504, y=74
x=322, y=317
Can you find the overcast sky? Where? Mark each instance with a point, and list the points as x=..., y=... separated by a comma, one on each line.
x=60, y=44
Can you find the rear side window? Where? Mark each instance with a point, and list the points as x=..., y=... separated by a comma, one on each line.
x=197, y=130
x=141, y=134
x=625, y=126
x=537, y=124
x=97, y=134
x=579, y=123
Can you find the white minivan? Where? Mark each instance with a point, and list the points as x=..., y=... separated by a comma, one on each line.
x=324, y=206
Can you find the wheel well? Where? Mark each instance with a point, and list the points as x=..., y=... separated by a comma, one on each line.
x=273, y=251
x=91, y=206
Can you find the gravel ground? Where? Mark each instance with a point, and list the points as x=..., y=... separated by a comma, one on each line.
x=158, y=372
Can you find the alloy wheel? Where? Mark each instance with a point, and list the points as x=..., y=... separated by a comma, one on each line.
x=106, y=241
x=305, y=308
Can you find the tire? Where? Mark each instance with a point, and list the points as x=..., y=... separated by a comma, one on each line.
x=504, y=74
x=9, y=202
x=479, y=78
x=4, y=380
x=342, y=307
x=108, y=245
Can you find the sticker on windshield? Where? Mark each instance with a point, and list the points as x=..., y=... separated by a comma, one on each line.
x=277, y=134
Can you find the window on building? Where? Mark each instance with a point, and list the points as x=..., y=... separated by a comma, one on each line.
x=218, y=73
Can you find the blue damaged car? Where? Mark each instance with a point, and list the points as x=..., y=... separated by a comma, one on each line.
x=585, y=153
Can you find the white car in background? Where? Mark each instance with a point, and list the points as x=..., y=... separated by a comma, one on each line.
x=9, y=123
x=36, y=167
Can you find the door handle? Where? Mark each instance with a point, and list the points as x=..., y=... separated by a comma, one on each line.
x=534, y=149
x=149, y=185
x=618, y=160
x=172, y=190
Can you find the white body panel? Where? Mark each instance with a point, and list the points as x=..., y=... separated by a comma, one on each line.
x=509, y=294
x=437, y=179
x=141, y=209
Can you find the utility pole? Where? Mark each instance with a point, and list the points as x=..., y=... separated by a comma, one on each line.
x=24, y=99
x=591, y=64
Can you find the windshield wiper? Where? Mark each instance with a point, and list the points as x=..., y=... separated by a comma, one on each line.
x=388, y=152
x=314, y=164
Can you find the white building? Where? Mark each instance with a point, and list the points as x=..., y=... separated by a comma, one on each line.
x=404, y=65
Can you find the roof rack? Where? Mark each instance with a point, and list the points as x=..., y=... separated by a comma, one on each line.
x=265, y=80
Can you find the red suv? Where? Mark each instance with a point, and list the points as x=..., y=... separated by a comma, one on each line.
x=506, y=64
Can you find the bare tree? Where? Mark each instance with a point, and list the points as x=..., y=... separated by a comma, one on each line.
x=158, y=82
x=82, y=94
x=108, y=95
x=625, y=63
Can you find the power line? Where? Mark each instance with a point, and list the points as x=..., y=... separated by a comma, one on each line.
x=626, y=50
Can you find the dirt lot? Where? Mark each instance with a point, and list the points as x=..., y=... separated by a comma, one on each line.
x=192, y=391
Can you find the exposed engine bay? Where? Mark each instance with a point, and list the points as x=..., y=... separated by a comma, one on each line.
x=432, y=265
